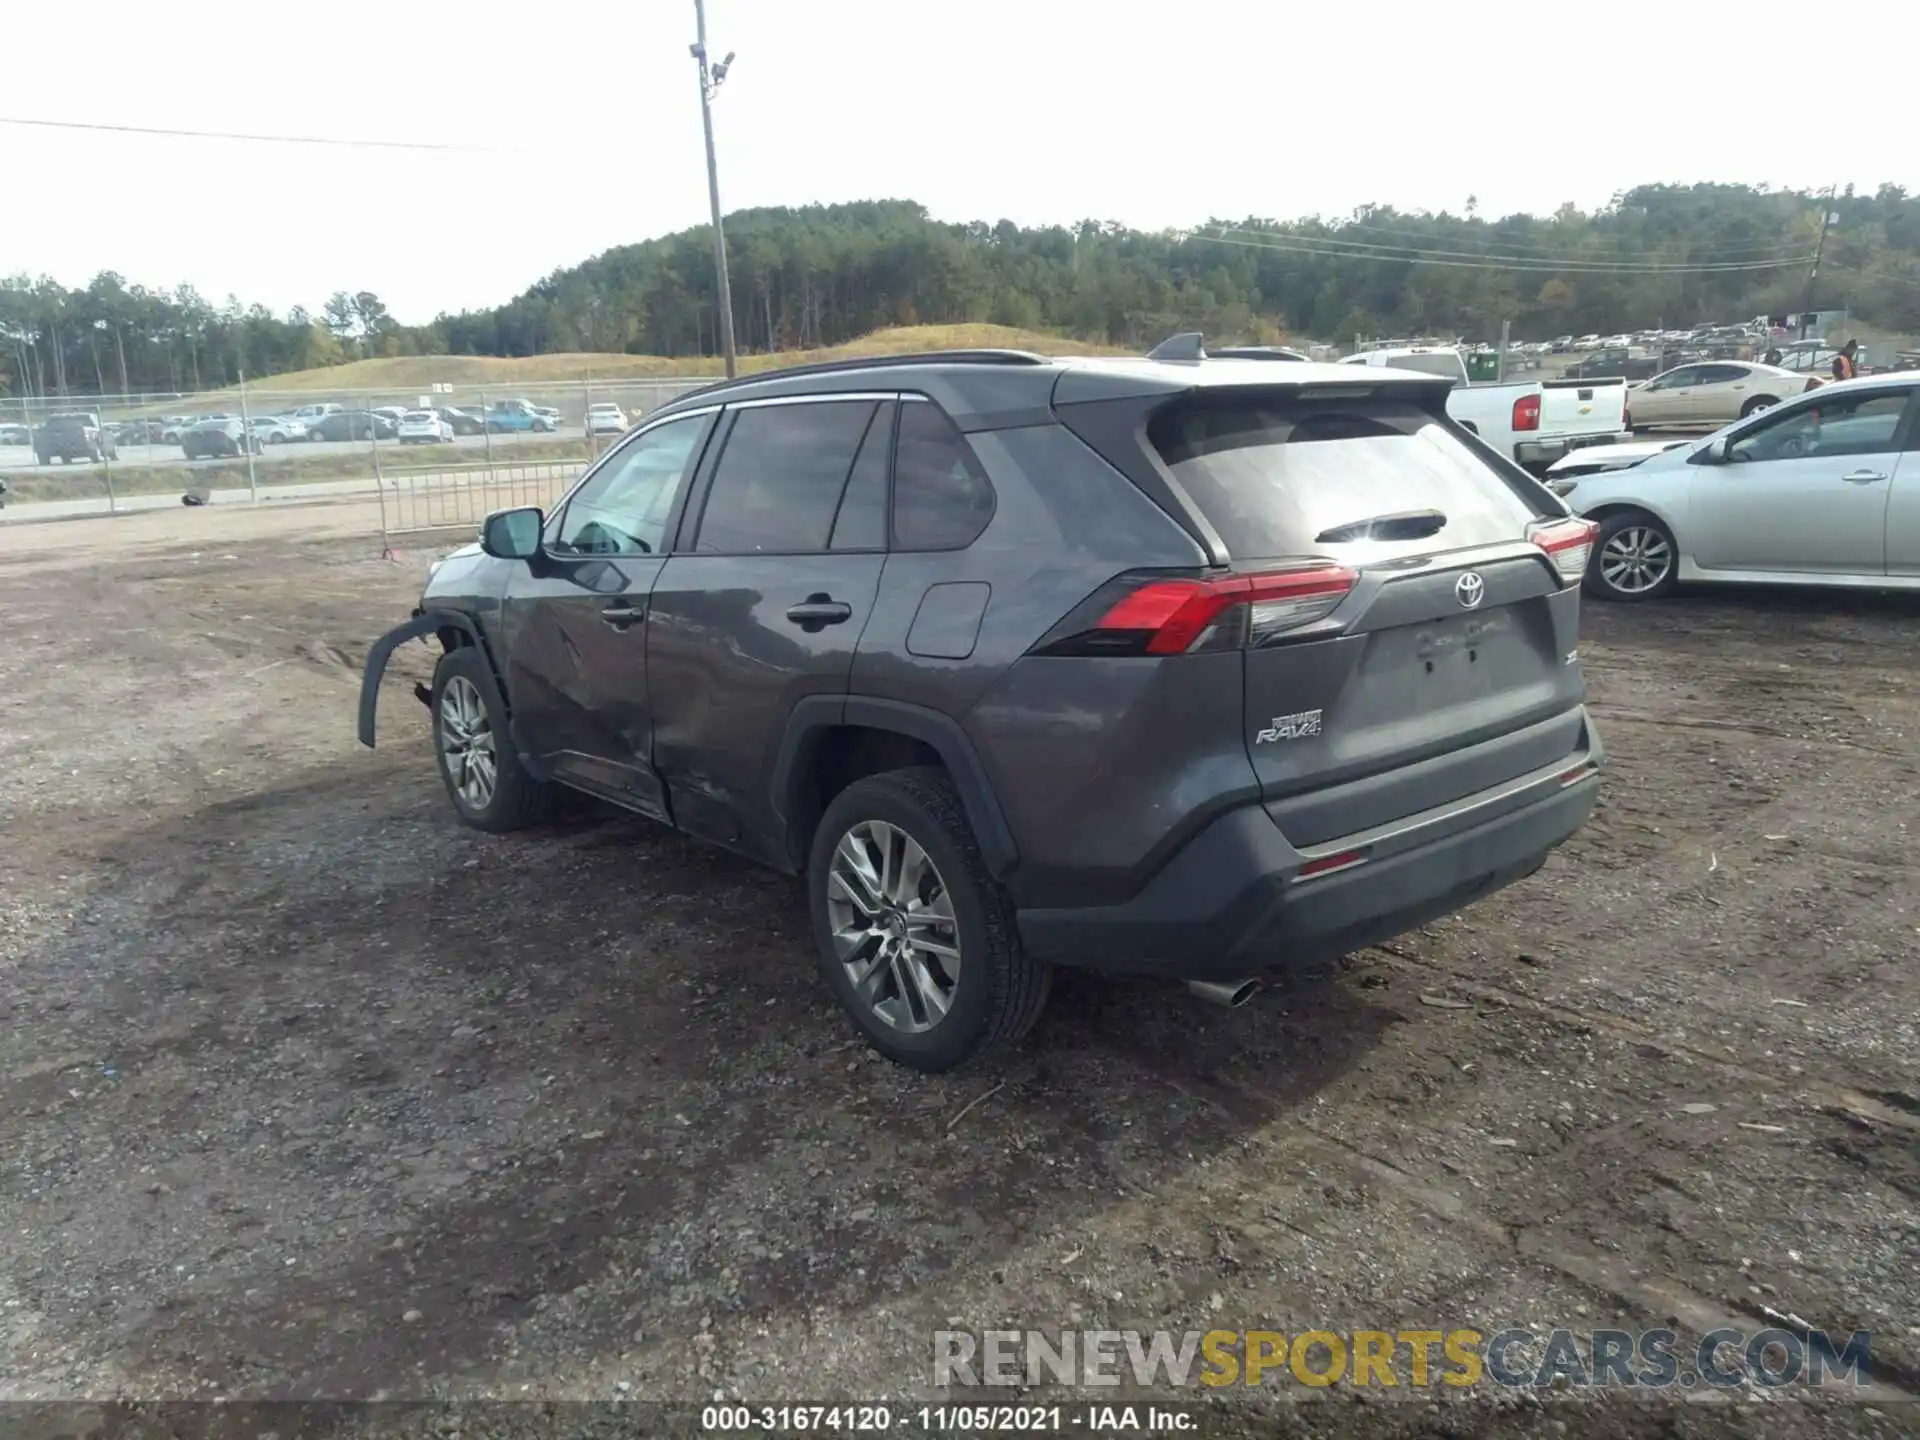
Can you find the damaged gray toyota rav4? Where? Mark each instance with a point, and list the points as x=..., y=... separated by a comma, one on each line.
x=1181, y=666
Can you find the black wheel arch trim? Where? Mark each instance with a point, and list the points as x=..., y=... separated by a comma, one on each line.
x=814, y=715
x=424, y=622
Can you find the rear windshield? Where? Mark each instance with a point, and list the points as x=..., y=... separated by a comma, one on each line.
x=1446, y=364
x=420, y=416
x=1275, y=476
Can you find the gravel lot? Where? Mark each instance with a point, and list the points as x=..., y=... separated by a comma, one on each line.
x=310, y=1092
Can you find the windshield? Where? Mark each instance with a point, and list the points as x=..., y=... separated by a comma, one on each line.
x=1440, y=362
x=1271, y=476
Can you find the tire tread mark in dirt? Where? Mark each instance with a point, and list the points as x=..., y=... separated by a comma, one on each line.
x=1839, y=1096
x=1612, y=716
x=1661, y=1297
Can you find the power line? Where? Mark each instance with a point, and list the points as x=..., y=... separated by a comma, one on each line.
x=1358, y=250
x=235, y=135
x=1524, y=250
x=1569, y=264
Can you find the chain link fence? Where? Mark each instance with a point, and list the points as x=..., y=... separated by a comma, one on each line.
x=438, y=456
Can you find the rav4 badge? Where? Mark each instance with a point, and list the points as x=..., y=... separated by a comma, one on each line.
x=1297, y=726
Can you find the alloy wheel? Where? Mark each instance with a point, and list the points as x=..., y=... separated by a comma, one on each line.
x=1635, y=559
x=893, y=926
x=466, y=740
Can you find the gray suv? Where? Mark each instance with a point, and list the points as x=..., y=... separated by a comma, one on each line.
x=1185, y=667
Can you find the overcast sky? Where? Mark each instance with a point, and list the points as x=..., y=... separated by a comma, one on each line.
x=585, y=123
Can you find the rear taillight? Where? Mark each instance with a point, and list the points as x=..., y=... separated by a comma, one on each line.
x=1173, y=617
x=1814, y=382
x=1526, y=413
x=1568, y=544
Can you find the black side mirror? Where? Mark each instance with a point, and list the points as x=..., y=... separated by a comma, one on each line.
x=512, y=534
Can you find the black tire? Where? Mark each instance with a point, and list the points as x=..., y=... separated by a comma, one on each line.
x=1618, y=525
x=999, y=990
x=518, y=800
x=1758, y=402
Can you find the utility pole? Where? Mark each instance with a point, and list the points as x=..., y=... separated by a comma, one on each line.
x=710, y=81
x=1819, y=247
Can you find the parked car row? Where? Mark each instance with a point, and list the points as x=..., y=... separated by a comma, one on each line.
x=1714, y=393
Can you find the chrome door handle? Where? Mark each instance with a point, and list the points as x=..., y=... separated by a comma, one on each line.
x=1863, y=477
x=621, y=616
x=820, y=610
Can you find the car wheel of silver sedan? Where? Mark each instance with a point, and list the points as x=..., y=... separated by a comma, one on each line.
x=1634, y=558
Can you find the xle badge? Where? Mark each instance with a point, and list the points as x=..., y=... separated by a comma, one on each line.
x=1297, y=726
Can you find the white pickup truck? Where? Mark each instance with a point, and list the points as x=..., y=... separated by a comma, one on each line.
x=1533, y=422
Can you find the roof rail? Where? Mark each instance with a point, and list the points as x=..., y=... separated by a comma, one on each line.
x=1256, y=352
x=875, y=362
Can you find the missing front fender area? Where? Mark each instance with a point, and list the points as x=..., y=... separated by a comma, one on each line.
x=426, y=622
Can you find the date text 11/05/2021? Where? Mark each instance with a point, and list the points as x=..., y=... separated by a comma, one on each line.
x=959, y=1419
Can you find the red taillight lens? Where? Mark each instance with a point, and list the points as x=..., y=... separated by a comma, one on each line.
x=1171, y=617
x=1568, y=544
x=1814, y=382
x=1526, y=413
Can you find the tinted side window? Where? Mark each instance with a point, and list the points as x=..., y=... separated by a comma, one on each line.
x=862, y=521
x=1844, y=425
x=1723, y=374
x=622, y=509
x=780, y=477
x=941, y=497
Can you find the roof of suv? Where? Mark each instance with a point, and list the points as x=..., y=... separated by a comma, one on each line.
x=997, y=389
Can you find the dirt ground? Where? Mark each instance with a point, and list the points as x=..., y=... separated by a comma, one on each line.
x=307, y=1091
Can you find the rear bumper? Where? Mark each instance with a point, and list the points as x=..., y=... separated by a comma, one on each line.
x=1555, y=447
x=1231, y=903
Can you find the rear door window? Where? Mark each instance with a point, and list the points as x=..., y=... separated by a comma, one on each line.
x=862, y=521
x=780, y=477
x=1282, y=477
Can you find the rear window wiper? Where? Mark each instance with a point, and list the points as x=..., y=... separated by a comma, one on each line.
x=1403, y=525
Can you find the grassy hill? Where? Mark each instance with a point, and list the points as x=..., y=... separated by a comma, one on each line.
x=410, y=372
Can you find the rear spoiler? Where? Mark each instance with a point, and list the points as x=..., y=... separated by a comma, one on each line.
x=1190, y=347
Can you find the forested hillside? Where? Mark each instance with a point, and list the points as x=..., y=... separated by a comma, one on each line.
x=822, y=275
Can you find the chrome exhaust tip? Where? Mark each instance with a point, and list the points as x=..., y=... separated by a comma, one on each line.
x=1230, y=993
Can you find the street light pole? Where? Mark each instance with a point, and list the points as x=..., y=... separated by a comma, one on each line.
x=710, y=79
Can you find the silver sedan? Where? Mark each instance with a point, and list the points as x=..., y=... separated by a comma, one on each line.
x=1823, y=489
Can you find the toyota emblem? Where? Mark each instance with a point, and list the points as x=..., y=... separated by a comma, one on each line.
x=1470, y=590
